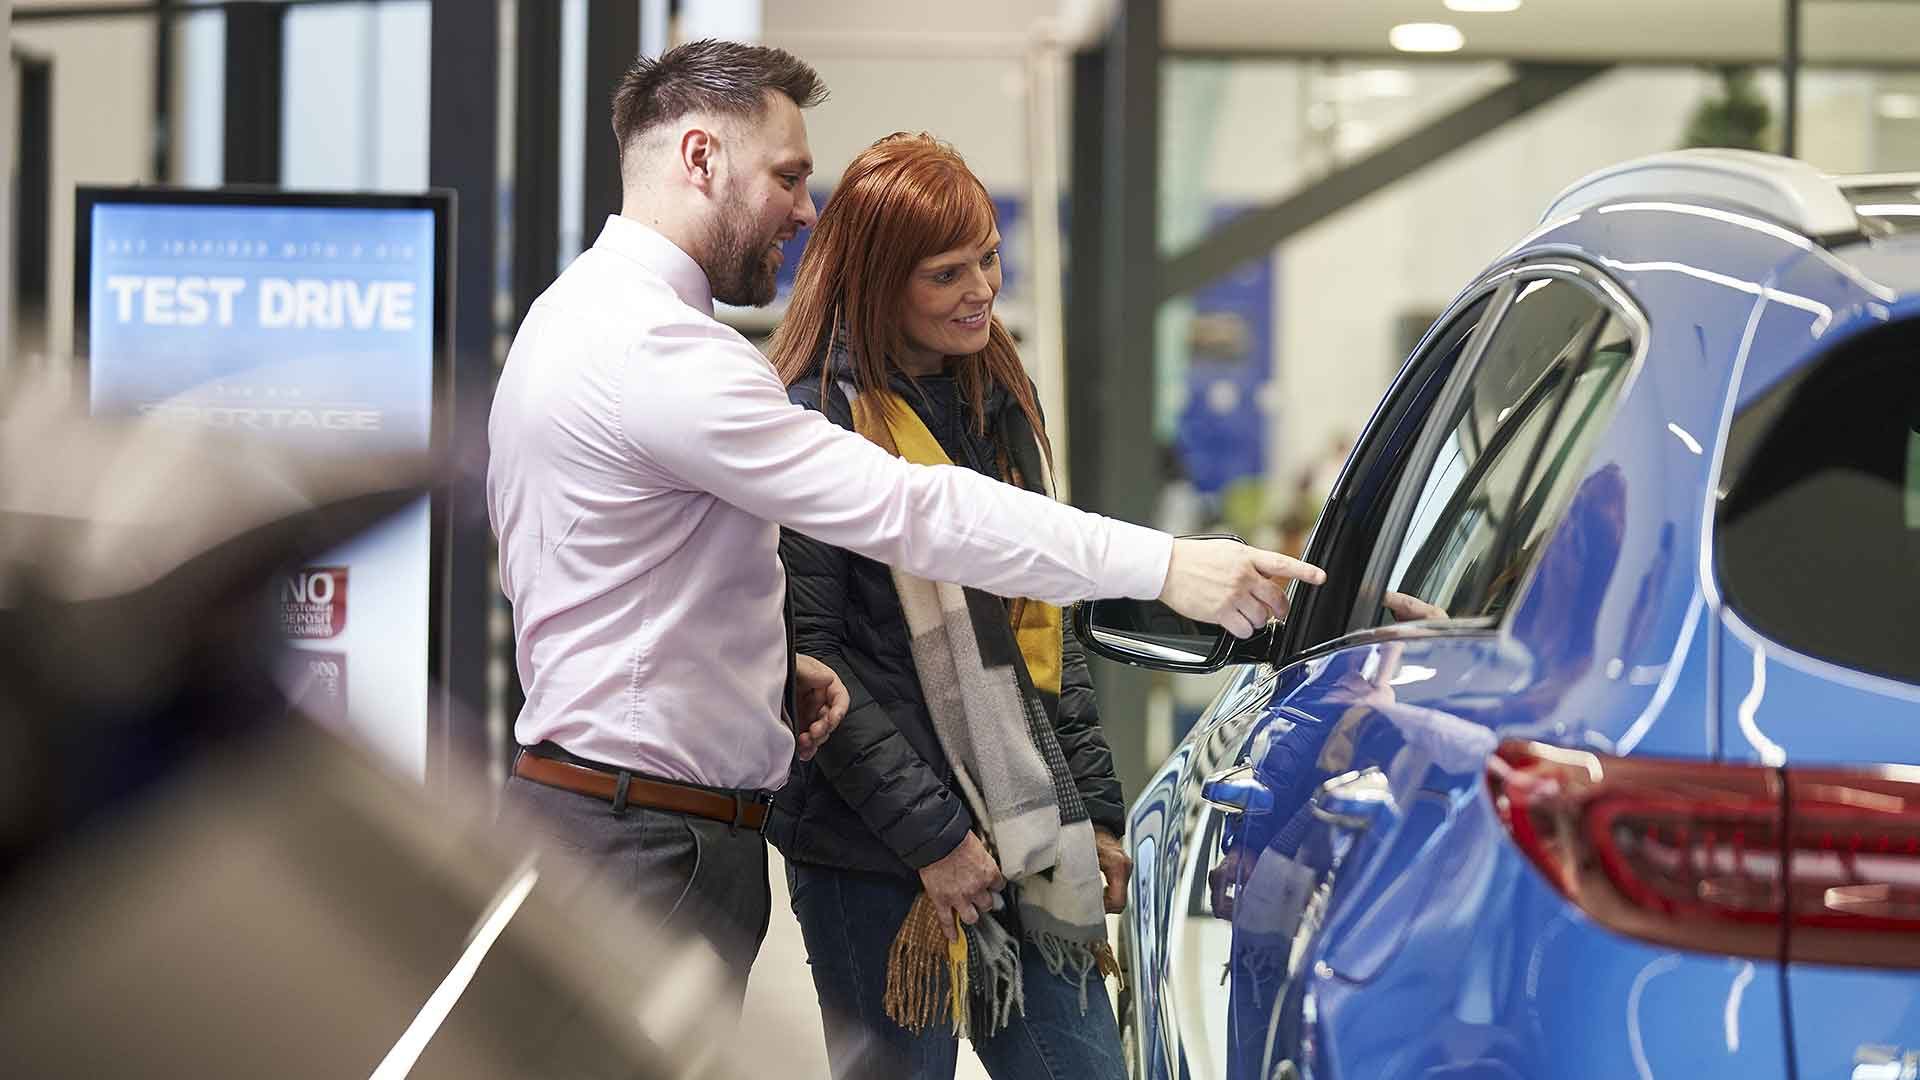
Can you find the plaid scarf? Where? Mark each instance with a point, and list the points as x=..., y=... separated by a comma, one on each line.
x=988, y=671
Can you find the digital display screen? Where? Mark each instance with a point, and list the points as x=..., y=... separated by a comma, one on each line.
x=309, y=322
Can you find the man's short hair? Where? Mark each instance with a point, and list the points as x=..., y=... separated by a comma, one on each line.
x=723, y=77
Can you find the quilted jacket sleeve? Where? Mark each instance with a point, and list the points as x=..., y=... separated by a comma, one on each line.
x=870, y=764
x=1084, y=743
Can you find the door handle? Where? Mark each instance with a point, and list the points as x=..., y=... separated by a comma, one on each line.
x=1355, y=800
x=1237, y=790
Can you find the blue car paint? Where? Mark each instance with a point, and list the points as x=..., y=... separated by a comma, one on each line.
x=1426, y=945
x=1842, y=1015
x=1780, y=707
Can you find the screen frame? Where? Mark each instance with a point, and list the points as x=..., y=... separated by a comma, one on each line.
x=442, y=203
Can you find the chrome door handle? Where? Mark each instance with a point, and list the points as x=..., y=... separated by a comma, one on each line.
x=1356, y=800
x=1236, y=790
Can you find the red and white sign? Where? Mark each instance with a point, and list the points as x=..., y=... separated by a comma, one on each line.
x=313, y=602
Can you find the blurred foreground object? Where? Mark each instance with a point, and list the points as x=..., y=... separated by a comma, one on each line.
x=193, y=885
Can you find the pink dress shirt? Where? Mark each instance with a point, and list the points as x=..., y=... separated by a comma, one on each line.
x=643, y=458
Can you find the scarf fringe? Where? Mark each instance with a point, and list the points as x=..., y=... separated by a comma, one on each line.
x=920, y=973
x=1076, y=961
x=973, y=982
x=1001, y=991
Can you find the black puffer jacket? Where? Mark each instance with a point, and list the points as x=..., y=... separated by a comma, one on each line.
x=878, y=796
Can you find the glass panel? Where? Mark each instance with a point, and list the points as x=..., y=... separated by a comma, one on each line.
x=1819, y=538
x=355, y=108
x=1152, y=630
x=1563, y=456
x=1449, y=559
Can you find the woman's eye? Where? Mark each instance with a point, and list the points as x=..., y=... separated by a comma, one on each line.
x=990, y=258
x=944, y=277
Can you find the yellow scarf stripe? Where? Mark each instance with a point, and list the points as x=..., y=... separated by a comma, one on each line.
x=1036, y=625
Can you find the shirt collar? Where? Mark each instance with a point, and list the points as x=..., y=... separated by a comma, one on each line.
x=632, y=240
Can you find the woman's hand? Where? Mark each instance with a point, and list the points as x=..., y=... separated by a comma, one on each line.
x=964, y=884
x=1411, y=608
x=1116, y=867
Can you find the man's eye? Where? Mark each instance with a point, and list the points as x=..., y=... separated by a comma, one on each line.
x=789, y=180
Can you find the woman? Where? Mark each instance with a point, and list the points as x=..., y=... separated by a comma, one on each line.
x=947, y=879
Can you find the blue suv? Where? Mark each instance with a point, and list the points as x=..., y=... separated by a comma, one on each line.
x=1598, y=755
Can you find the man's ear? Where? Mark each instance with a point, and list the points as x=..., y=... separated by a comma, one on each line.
x=700, y=156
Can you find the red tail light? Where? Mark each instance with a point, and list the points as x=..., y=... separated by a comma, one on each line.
x=1853, y=894
x=1747, y=860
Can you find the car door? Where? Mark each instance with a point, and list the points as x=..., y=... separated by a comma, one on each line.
x=1373, y=728
x=1179, y=938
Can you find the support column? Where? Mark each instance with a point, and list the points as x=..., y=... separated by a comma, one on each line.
x=463, y=133
x=536, y=159
x=1790, y=81
x=256, y=53
x=613, y=40
x=1114, y=297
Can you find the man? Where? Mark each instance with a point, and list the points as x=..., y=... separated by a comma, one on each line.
x=644, y=457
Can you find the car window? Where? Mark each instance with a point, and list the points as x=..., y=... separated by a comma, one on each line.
x=1343, y=539
x=1513, y=443
x=1563, y=454
x=1818, y=537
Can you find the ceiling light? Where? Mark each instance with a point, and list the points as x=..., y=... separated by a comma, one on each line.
x=1899, y=106
x=1494, y=7
x=1426, y=37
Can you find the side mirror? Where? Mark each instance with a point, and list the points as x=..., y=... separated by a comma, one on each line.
x=1148, y=633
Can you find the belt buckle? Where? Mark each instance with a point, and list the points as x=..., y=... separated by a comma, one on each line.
x=740, y=803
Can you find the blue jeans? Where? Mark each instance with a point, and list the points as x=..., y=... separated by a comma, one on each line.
x=849, y=919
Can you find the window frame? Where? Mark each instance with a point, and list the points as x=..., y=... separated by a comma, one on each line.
x=1503, y=283
x=1395, y=410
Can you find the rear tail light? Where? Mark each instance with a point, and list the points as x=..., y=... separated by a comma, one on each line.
x=1853, y=891
x=1747, y=860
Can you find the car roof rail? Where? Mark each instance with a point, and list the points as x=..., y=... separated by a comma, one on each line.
x=1786, y=191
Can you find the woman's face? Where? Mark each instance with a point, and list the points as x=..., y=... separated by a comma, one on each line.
x=949, y=305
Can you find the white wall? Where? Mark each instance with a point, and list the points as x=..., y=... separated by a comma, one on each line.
x=102, y=116
x=975, y=103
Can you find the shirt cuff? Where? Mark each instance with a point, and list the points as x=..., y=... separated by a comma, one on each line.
x=1137, y=561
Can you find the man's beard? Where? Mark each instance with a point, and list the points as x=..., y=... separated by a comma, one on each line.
x=737, y=266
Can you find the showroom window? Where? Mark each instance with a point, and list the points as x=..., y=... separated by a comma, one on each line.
x=1516, y=441
x=1819, y=535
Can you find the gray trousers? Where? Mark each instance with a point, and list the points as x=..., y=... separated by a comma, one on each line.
x=685, y=873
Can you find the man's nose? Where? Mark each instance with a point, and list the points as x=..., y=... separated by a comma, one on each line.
x=803, y=209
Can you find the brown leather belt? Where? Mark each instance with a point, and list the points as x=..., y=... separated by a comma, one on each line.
x=745, y=809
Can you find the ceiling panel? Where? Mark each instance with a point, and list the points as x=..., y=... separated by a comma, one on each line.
x=1851, y=31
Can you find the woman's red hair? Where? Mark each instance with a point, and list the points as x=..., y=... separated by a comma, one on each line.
x=901, y=200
